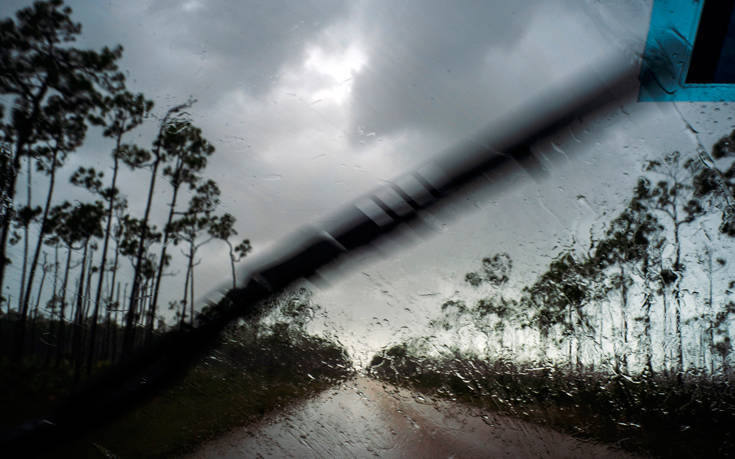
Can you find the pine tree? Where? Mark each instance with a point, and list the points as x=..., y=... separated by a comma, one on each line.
x=38, y=61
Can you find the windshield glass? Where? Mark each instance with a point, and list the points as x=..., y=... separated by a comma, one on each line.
x=574, y=282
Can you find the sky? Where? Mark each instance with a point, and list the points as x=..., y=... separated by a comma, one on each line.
x=313, y=103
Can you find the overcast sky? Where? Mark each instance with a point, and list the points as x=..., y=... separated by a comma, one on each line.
x=313, y=103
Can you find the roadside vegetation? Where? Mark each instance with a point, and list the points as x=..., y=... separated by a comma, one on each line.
x=655, y=415
x=626, y=337
x=259, y=367
x=84, y=281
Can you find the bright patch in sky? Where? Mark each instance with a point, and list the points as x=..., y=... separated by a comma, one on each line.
x=339, y=67
x=192, y=5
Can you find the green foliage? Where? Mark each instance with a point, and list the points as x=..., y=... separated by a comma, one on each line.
x=473, y=279
x=120, y=111
x=198, y=218
x=88, y=178
x=560, y=291
x=186, y=152
x=242, y=249
x=495, y=270
x=452, y=314
x=23, y=217
x=254, y=371
x=652, y=415
x=714, y=180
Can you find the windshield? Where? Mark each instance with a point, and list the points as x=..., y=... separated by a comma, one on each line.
x=548, y=252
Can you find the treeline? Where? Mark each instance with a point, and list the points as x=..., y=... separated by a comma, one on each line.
x=625, y=338
x=652, y=293
x=260, y=365
x=89, y=273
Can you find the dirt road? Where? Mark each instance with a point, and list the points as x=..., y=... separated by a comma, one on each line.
x=365, y=418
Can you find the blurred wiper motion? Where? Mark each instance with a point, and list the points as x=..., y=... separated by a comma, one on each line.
x=477, y=162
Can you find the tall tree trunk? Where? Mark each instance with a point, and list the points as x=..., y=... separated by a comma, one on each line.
x=77, y=324
x=8, y=172
x=185, y=302
x=710, y=307
x=571, y=335
x=54, y=301
x=191, y=291
x=110, y=297
x=87, y=304
x=647, y=334
x=677, y=299
x=129, y=336
x=232, y=263
x=34, y=315
x=9, y=177
x=648, y=344
x=105, y=243
x=162, y=262
x=61, y=342
x=600, y=331
x=22, y=302
x=42, y=231
x=56, y=269
x=116, y=321
x=664, y=304
x=624, y=317
x=544, y=344
x=88, y=286
x=578, y=350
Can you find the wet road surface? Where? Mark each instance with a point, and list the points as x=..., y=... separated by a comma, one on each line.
x=367, y=418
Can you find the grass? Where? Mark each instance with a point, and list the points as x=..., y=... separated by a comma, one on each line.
x=656, y=415
x=249, y=375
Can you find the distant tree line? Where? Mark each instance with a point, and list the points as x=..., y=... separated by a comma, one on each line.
x=70, y=256
x=652, y=293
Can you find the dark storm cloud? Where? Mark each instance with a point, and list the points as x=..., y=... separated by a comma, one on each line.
x=252, y=41
x=294, y=131
x=428, y=62
x=203, y=48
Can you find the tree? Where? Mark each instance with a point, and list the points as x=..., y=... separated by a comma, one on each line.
x=22, y=220
x=714, y=179
x=133, y=231
x=187, y=152
x=223, y=228
x=673, y=197
x=63, y=121
x=495, y=270
x=558, y=297
x=59, y=219
x=75, y=226
x=624, y=247
x=295, y=310
x=648, y=273
x=491, y=313
x=116, y=234
x=491, y=316
x=86, y=221
x=45, y=269
x=37, y=61
x=121, y=112
x=707, y=317
x=158, y=154
x=722, y=326
x=452, y=313
x=188, y=228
